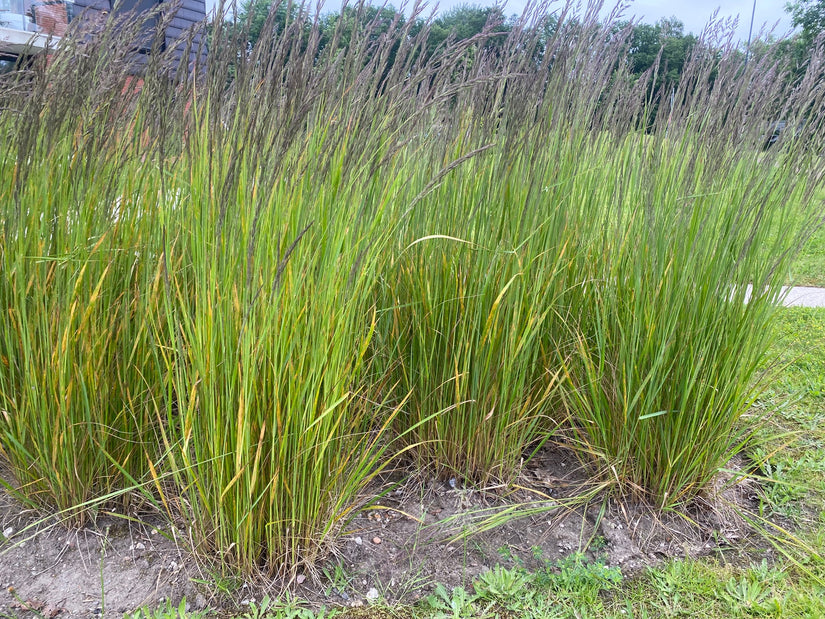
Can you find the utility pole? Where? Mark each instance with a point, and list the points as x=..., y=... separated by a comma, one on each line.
x=750, y=34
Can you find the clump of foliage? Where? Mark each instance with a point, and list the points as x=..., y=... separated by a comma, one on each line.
x=242, y=285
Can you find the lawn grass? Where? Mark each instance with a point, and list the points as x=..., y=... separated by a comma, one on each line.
x=792, y=444
x=809, y=267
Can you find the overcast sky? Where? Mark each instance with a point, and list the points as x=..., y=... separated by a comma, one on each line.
x=693, y=13
x=696, y=13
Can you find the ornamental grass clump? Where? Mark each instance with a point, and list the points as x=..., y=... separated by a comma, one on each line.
x=690, y=218
x=465, y=324
x=479, y=286
x=270, y=426
x=77, y=223
x=272, y=418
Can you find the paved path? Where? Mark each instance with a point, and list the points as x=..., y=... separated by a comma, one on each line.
x=804, y=296
x=799, y=296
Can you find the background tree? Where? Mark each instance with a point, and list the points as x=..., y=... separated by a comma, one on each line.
x=665, y=37
x=253, y=14
x=808, y=15
x=376, y=20
x=466, y=21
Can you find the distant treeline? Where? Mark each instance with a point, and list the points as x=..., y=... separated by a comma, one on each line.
x=663, y=47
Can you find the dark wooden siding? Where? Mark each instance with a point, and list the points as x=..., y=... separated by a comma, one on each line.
x=188, y=14
x=198, y=6
x=96, y=5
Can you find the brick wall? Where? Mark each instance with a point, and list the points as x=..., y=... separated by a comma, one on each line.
x=51, y=16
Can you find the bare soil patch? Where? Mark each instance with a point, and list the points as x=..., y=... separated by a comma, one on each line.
x=110, y=567
x=415, y=535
